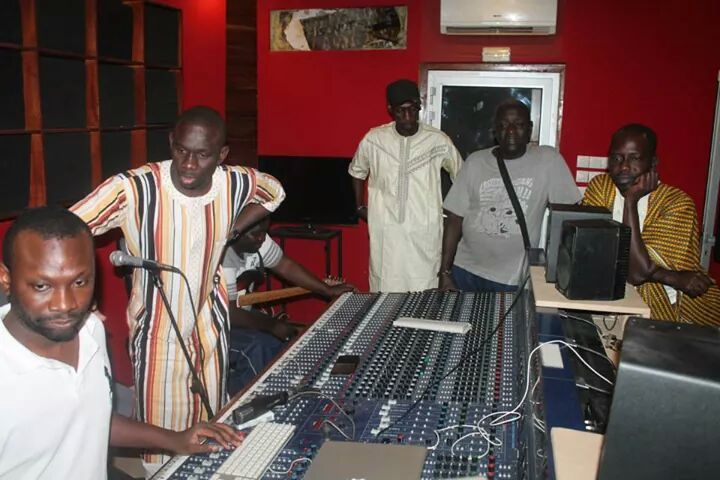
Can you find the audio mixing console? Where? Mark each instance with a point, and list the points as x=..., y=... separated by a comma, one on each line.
x=397, y=368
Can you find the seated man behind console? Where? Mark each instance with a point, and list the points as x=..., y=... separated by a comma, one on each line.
x=255, y=337
x=665, y=246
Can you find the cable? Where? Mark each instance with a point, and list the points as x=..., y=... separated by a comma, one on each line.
x=480, y=431
x=587, y=386
x=483, y=434
x=615, y=320
x=252, y=367
x=563, y=313
x=322, y=395
x=291, y=466
x=332, y=424
x=539, y=424
x=514, y=412
x=599, y=354
x=462, y=360
x=437, y=433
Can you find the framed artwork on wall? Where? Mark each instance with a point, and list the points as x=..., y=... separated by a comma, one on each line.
x=461, y=99
x=368, y=28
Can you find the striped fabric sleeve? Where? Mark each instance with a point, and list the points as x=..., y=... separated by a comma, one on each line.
x=600, y=192
x=271, y=252
x=268, y=192
x=105, y=208
x=230, y=275
x=671, y=229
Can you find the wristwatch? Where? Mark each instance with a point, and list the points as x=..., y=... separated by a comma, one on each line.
x=443, y=273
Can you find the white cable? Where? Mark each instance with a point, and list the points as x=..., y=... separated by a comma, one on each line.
x=532, y=391
x=480, y=431
x=590, y=350
x=437, y=433
x=501, y=420
x=513, y=414
x=574, y=350
x=472, y=434
x=291, y=466
x=249, y=362
x=322, y=395
x=330, y=422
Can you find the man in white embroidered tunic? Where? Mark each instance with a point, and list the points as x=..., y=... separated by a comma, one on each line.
x=402, y=161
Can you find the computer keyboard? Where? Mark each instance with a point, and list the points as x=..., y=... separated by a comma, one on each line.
x=250, y=460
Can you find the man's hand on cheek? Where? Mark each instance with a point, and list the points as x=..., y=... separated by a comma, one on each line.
x=644, y=184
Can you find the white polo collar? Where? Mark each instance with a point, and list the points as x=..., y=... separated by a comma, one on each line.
x=21, y=360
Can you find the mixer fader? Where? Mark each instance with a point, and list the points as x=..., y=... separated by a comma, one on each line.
x=404, y=389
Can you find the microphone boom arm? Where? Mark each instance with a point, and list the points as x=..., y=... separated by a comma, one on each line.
x=196, y=386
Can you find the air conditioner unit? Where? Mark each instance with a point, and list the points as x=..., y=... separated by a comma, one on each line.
x=498, y=17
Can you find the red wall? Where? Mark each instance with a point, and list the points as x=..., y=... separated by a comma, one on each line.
x=203, y=58
x=203, y=52
x=625, y=62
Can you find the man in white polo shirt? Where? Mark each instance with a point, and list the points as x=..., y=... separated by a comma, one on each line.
x=55, y=407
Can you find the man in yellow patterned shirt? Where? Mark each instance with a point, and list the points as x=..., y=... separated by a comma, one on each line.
x=665, y=246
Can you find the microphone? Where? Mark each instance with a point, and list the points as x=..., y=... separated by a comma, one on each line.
x=122, y=259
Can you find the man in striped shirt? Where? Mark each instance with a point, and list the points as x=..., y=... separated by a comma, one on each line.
x=181, y=212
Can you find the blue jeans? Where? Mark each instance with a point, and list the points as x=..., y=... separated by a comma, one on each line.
x=250, y=352
x=469, y=282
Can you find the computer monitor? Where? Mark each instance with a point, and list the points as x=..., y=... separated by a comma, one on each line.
x=319, y=189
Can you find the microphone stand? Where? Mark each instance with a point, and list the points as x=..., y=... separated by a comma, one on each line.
x=197, y=386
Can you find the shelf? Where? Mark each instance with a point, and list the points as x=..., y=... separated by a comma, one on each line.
x=87, y=91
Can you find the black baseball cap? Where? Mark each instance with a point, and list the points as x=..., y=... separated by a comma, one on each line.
x=402, y=91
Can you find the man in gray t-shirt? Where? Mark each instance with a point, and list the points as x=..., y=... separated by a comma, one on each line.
x=482, y=242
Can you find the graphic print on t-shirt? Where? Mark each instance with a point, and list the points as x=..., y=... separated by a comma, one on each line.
x=496, y=217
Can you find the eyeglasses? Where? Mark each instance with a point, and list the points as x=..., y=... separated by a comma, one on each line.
x=412, y=109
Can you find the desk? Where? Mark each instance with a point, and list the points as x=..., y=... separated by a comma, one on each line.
x=322, y=234
x=546, y=295
x=576, y=454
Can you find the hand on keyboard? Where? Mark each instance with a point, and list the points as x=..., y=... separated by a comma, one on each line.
x=191, y=440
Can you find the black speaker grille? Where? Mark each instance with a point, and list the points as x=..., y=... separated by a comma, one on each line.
x=623, y=260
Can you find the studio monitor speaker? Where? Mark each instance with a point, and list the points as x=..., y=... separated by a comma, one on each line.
x=593, y=259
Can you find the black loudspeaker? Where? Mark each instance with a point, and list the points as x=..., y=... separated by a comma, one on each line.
x=665, y=414
x=593, y=259
x=559, y=213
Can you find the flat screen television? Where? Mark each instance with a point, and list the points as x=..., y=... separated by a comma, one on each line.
x=319, y=189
